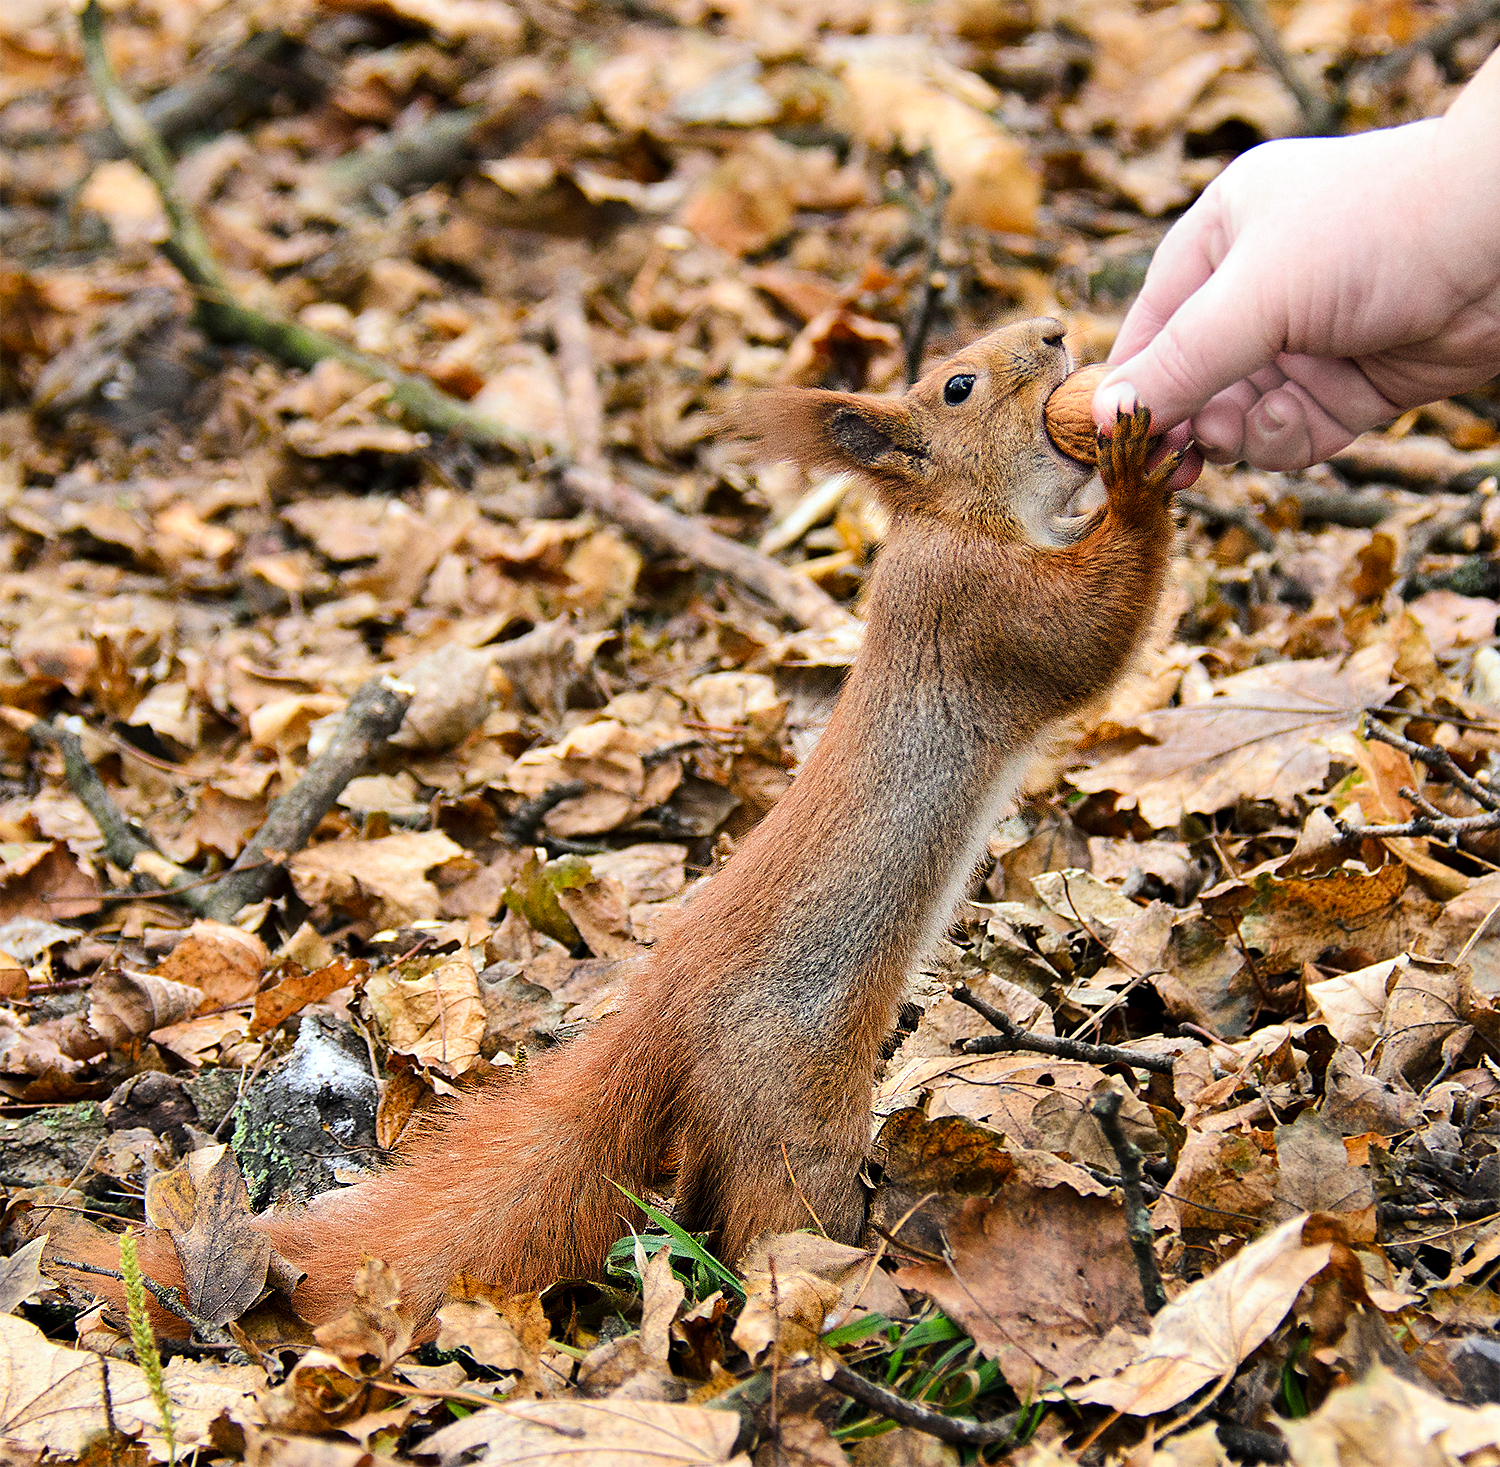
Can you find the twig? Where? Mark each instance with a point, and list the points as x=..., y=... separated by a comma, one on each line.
x=373, y=715
x=1013, y=1037
x=1438, y=760
x=934, y=282
x=1464, y=1208
x=236, y=88
x=1430, y=533
x=1422, y=462
x=1237, y=515
x=1318, y=111
x=1105, y=1109
x=1438, y=40
x=170, y=1299
x=425, y=153
x=150, y=872
x=589, y=479
x=923, y=1418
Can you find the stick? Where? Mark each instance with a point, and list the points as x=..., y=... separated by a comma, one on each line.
x=1316, y=109
x=373, y=715
x=934, y=281
x=923, y=1418
x=240, y=86
x=170, y=1299
x=124, y=846
x=589, y=479
x=225, y=319
x=1438, y=760
x=1240, y=516
x=1013, y=1037
x=1105, y=1109
x=1436, y=41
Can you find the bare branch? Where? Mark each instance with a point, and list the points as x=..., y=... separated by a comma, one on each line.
x=1013, y=1037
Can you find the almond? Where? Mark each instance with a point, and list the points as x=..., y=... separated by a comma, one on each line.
x=1069, y=417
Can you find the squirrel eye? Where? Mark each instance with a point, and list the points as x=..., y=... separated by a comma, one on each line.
x=957, y=389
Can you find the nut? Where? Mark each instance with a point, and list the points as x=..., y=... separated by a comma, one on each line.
x=1069, y=416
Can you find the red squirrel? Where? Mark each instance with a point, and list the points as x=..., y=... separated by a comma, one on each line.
x=747, y=1042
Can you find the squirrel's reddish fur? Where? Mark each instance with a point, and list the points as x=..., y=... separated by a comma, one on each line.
x=748, y=1041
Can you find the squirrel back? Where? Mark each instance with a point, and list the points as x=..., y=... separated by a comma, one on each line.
x=747, y=1042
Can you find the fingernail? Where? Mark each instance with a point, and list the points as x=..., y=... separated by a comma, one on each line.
x=1273, y=414
x=1112, y=399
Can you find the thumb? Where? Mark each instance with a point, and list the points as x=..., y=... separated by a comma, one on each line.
x=1215, y=338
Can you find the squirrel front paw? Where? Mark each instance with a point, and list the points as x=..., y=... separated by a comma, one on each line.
x=1122, y=461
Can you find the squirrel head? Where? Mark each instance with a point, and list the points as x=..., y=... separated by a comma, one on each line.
x=967, y=443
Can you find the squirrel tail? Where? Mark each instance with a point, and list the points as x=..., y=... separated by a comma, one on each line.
x=516, y=1185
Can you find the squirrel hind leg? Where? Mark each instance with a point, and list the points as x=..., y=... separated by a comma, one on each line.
x=739, y=1194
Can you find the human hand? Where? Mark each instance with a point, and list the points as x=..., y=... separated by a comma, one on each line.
x=1322, y=286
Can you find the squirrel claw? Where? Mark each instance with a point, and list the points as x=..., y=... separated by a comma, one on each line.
x=1123, y=455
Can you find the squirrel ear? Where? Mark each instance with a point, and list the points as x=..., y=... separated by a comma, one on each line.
x=877, y=437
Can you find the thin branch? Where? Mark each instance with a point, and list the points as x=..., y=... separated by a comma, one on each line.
x=934, y=281
x=1013, y=1037
x=1440, y=761
x=923, y=1418
x=1105, y=1109
x=374, y=713
x=150, y=872
x=170, y=1299
x=1438, y=40
x=1318, y=111
x=1239, y=516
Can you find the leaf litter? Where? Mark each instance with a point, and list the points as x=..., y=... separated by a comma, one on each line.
x=208, y=554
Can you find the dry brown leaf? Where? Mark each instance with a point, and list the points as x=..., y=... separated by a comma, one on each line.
x=374, y=1324
x=205, y=1208
x=1047, y=1321
x=1315, y=1174
x=1259, y=737
x=1204, y=1334
x=389, y=874
x=1384, y=1419
x=21, y=1275
x=436, y=1015
x=51, y=1396
x=609, y=1433
x=224, y=962
x=125, y=1006
x=299, y=989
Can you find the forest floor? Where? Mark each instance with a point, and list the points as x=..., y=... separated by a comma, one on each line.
x=429, y=383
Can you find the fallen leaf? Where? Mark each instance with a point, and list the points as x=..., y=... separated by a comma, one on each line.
x=389, y=873
x=1259, y=737
x=1204, y=1334
x=605, y=1433
x=435, y=1014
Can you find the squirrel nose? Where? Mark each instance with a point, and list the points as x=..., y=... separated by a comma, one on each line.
x=1054, y=338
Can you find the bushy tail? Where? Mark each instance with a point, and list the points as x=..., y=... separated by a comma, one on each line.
x=514, y=1186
